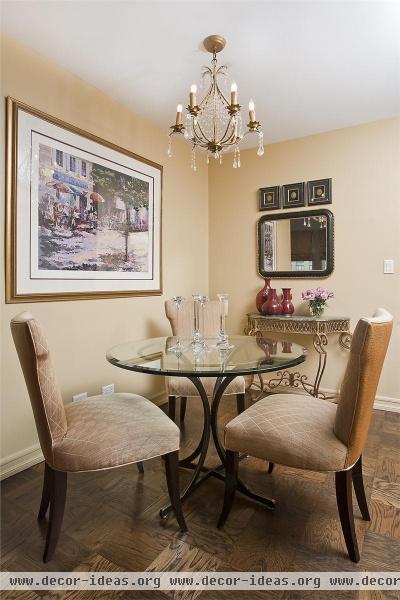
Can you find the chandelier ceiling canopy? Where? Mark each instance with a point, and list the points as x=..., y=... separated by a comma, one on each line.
x=214, y=124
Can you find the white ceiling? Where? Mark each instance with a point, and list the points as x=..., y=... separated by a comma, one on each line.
x=309, y=66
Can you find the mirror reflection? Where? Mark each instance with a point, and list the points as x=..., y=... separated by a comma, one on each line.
x=298, y=245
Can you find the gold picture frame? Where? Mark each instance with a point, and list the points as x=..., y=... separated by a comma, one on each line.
x=122, y=278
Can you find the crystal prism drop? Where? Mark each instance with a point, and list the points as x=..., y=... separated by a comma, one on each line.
x=260, y=150
x=169, y=151
x=193, y=163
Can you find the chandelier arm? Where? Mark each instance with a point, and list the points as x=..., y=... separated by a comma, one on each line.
x=221, y=94
x=203, y=138
x=201, y=142
x=232, y=136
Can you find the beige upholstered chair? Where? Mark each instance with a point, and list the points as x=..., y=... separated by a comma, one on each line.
x=309, y=433
x=180, y=387
x=99, y=433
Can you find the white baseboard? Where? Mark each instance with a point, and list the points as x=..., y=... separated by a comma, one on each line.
x=28, y=457
x=381, y=402
x=19, y=461
x=387, y=403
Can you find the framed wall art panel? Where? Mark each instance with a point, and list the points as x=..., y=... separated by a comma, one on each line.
x=319, y=192
x=293, y=195
x=83, y=216
x=269, y=198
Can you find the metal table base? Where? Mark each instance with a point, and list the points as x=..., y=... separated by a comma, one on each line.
x=201, y=473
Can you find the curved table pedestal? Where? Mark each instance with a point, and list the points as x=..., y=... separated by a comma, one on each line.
x=210, y=427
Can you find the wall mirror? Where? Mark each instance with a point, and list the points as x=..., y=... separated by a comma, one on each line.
x=296, y=244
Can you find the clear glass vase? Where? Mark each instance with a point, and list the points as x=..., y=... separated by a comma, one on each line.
x=316, y=309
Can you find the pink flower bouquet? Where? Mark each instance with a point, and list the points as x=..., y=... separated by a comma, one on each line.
x=317, y=298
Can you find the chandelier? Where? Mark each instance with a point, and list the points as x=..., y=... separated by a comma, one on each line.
x=214, y=124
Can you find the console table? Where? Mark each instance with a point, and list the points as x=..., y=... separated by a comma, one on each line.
x=318, y=327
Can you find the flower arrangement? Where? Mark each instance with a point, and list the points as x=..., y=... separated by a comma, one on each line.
x=317, y=298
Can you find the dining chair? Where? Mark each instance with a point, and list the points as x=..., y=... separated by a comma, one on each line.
x=181, y=387
x=99, y=433
x=309, y=433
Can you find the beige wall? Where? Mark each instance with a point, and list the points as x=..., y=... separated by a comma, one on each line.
x=81, y=331
x=364, y=165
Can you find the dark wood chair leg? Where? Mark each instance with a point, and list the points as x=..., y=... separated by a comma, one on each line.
x=240, y=403
x=345, y=507
x=46, y=492
x=171, y=407
x=172, y=473
x=231, y=467
x=140, y=467
x=58, y=495
x=358, y=484
x=182, y=412
x=270, y=467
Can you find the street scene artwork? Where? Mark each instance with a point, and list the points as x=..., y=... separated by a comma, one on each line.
x=85, y=214
x=90, y=217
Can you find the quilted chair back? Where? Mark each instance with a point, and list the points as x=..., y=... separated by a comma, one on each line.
x=367, y=354
x=211, y=318
x=44, y=393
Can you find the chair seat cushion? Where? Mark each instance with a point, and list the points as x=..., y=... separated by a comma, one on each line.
x=289, y=429
x=112, y=430
x=181, y=386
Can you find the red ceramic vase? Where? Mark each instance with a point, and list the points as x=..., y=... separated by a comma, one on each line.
x=262, y=295
x=272, y=306
x=287, y=306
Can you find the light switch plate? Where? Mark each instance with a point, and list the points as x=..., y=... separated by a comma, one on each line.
x=388, y=265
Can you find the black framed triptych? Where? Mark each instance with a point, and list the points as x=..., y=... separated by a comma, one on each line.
x=295, y=195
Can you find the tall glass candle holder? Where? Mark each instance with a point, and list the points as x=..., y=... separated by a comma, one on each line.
x=203, y=301
x=223, y=339
x=198, y=338
x=178, y=347
x=196, y=319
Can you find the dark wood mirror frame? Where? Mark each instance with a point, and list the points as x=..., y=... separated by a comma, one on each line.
x=299, y=215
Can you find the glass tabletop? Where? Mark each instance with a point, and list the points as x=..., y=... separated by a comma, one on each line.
x=248, y=355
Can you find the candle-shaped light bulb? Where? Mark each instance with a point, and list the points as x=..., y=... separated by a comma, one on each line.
x=192, y=95
x=179, y=114
x=252, y=112
x=234, y=99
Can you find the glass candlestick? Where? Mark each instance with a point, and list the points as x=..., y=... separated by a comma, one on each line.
x=178, y=347
x=223, y=340
x=203, y=301
x=198, y=340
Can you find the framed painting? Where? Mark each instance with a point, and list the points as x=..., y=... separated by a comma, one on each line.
x=293, y=195
x=83, y=216
x=319, y=192
x=268, y=198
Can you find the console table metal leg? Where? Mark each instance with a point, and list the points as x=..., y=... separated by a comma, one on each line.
x=320, y=341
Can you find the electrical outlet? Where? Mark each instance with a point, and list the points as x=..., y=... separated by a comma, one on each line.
x=81, y=396
x=388, y=265
x=107, y=389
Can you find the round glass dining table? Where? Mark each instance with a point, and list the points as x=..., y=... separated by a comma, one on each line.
x=170, y=356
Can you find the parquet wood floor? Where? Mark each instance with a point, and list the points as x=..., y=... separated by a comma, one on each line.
x=111, y=522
